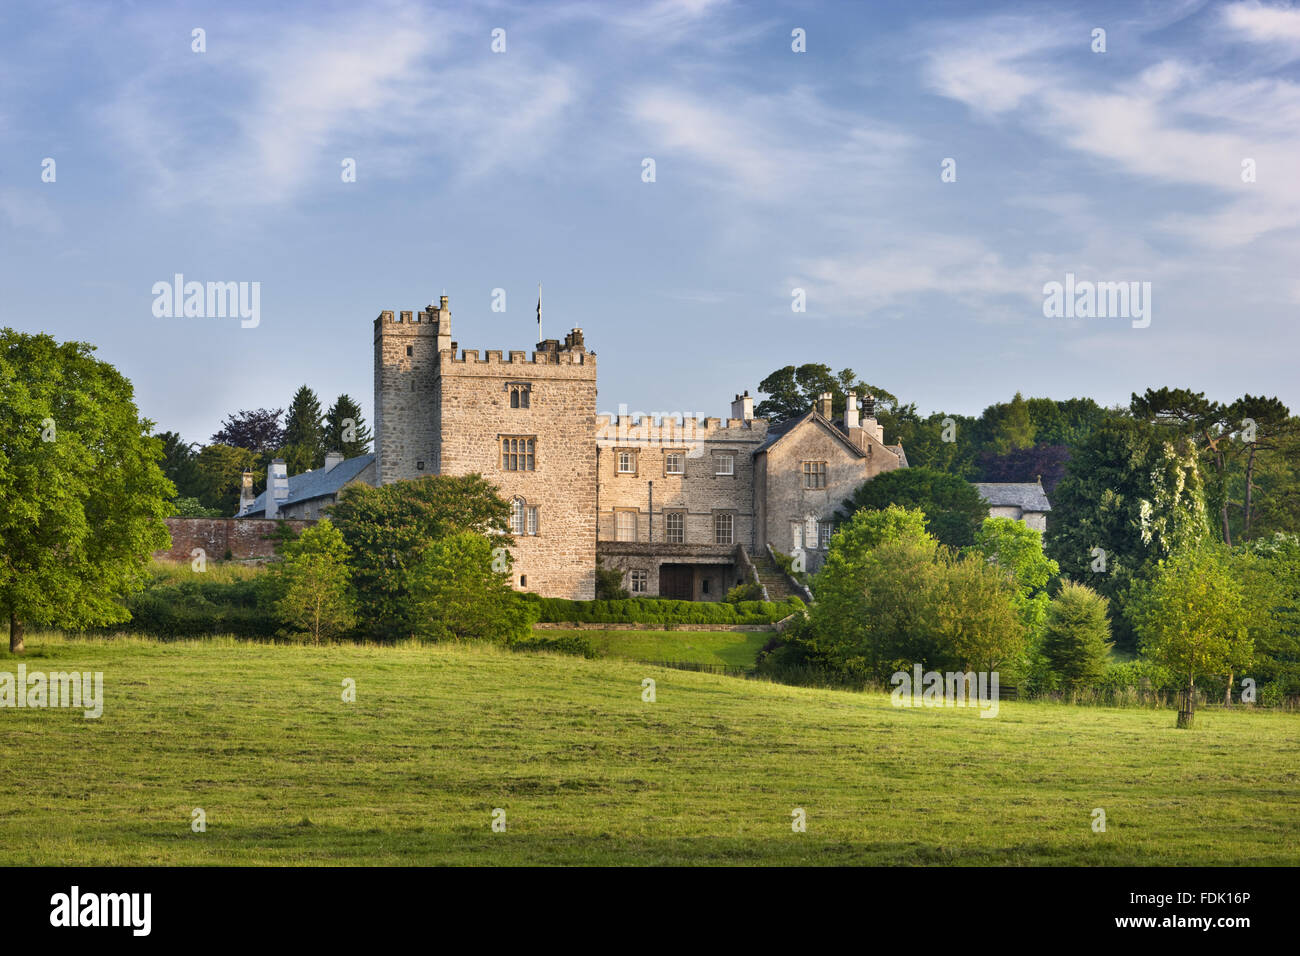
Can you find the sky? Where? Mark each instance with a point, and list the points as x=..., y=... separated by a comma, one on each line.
x=921, y=171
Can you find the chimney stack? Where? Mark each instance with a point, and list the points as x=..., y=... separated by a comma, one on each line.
x=851, y=411
x=277, y=487
x=246, y=496
x=743, y=407
x=333, y=458
x=825, y=402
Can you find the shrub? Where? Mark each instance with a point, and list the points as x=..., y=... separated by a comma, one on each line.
x=609, y=583
x=749, y=591
x=1076, y=635
x=660, y=611
x=566, y=643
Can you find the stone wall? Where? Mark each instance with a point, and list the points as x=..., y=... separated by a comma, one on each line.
x=244, y=538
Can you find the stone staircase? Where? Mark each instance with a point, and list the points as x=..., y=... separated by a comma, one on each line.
x=771, y=577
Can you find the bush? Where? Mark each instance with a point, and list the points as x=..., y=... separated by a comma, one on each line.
x=566, y=643
x=199, y=606
x=749, y=591
x=660, y=611
x=1076, y=635
x=609, y=583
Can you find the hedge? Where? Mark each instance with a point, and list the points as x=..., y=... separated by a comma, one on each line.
x=662, y=611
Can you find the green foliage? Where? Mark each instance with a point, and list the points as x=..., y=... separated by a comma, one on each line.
x=179, y=602
x=792, y=390
x=953, y=508
x=1269, y=569
x=81, y=495
x=180, y=465
x=1076, y=636
x=1135, y=494
x=222, y=468
x=389, y=529
x=661, y=611
x=609, y=583
x=1192, y=615
x=1018, y=549
x=748, y=591
x=314, y=583
x=304, y=433
x=456, y=595
x=561, y=642
x=345, y=430
x=192, y=508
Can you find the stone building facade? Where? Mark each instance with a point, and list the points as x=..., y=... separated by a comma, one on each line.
x=676, y=503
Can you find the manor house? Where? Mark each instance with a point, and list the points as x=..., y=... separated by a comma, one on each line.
x=681, y=506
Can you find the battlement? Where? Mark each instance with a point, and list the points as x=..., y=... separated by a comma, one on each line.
x=660, y=428
x=518, y=358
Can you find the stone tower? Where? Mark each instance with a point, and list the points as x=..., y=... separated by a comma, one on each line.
x=525, y=421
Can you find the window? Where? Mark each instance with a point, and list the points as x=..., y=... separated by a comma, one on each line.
x=518, y=454
x=826, y=529
x=814, y=474
x=409, y=350
x=725, y=465
x=523, y=580
x=674, y=527
x=523, y=519
x=674, y=463
x=640, y=581
x=624, y=525
x=704, y=586
x=520, y=395
x=627, y=463
x=723, y=526
x=419, y=466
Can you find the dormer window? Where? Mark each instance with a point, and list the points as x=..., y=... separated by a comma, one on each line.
x=520, y=394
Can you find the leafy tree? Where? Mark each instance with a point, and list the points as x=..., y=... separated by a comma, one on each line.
x=81, y=495
x=1192, y=616
x=345, y=429
x=304, y=433
x=258, y=430
x=1269, y=569
x=976, y=622
x=1076, y=636
x=222, y=468
x=192, y=508
x=457, y=595
x=314, y=583
x=792, y=390
x=1045, y=462
x=1018, y=549
x=1007, y=427
x=389, y=528
x=940, y=441
x=1131, y=497
x=609, y=583
x=954, y=509
x=1263, y=427
x=180, y=465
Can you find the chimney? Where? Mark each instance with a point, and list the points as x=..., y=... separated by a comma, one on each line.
x=851, y=411
x=246, y=496
x=573, y=341
x=825, y=402
x=277, y=487
x=869, y=407
x=333, y=458
x=743, y=407
x=869, y=422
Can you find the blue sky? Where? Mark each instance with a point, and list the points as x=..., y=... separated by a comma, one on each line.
x=775, y=170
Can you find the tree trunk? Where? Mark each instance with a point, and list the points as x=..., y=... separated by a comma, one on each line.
x=1250, y=488
x=1227, y=699
x=15, y=633
x=1187, y=704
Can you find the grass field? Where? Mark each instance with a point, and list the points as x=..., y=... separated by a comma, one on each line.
x=259, y=737
x=720, y=648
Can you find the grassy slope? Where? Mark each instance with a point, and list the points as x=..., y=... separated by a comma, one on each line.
x=725, y=648
x=257, y=735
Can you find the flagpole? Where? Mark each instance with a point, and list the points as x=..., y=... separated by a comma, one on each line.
x=539, y=313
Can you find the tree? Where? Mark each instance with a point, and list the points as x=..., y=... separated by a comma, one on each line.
x=1131, y=496
x=457, y=595
x=1269, y=570
x=180, y=465
x=81, y=495
x=314, y=583
x=1007, y=427
x=192, y=508
x=940, y=441
x=258, y=430
x=1045, y=462
x=1018, y=549
x=345, y=429
x=954, y=509
x=389, y=528
x=1262, y=425
x=1076, y=635
x=792, y=390
x=222, y=468
x=1193, y=617
x=977, y=625
x=304, y=433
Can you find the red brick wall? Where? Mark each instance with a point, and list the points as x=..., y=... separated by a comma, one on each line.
x=243, y=537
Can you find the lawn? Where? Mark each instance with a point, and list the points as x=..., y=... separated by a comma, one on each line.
x=587, y=772
x=717, y=648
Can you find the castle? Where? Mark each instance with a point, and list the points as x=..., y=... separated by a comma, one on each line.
x=680, y=506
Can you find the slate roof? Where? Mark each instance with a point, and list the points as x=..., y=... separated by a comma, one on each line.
x=318, y=483
x=1025, y=495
